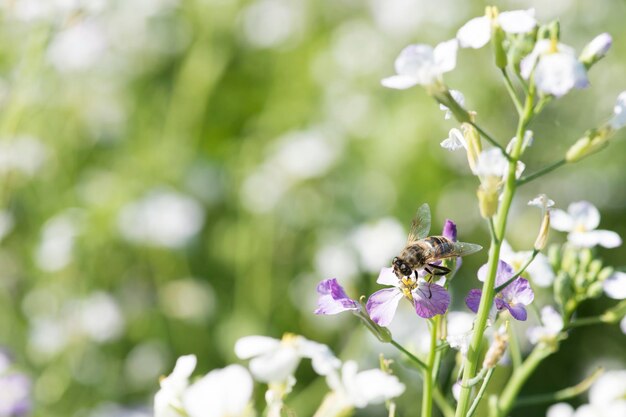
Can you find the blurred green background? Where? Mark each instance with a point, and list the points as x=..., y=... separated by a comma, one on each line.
x=176, y=174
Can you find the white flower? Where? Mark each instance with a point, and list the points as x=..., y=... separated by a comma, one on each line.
x=615, y=285
x=619, y=112
x=22, y=154
x=539, y=270
x=493, y=164
x=526, y=141
x=454, y=141
x=378, y=242
x=477, y=32
x=542, y=201
x=622, y=325
x=596, y=49
x=459, y=332
x=458, y=97
x=274, y=361
x=358, y=389
x=162, y=218
x=556, y=68
x=77, y=48
x=55, y=250
x=560, y=410
x=421, y=64
x=220, y=393
x=552, y=326
x=580, y=221
x=169, y=398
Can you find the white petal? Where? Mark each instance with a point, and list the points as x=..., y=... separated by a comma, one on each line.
x=528, y=63
x=507, y=254
x=223, y=392
x=615, y=285
x=619, y=112
x=250, y=346
x=560, y=410
x=561, y=221
x=605, y=238
x=491, y=163
x=558, y=73
x=542, y=201
x=184, y=367
x=275, y=366
x=387, y=277
x=610, y=387
x=517, y=21
x=586, y=216
x=413, y=58
x=322, y=358
x=369, y=387
x=458, y=97
x=399, y=82
x=622, y=325
x=445, y=55
x=454, y=141
x=475, y=33
x=540, y=271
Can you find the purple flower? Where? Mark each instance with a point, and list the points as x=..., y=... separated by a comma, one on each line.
x=333, y=299
x=449, y=230
x=16, y=389
x=514, y=297
x=428, y=299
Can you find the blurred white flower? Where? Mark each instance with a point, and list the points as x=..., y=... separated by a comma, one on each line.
x=23, y=154
x=460, y=325
x=619, y=112
x=581, y=220
x=377, y=243
x=358, y=48
x=615, y=285
x=459, y=98
x=168, y=400
x=477, y=32
x=608, y=394
x=274, y=361
x=560, y=410
x=145, y=363
x=220, y=393
x=6, y=223
x=454, y=141
x=336, y=259
x=99, y=316
x=622, y=325
x=539, y=270
x=359, y=389
x=55, y=250
x=270, y=23
x=493, y=165
x=556, y=68
x=541, y=201
x=116, y=410
x=552, y=324
x=596, y=49
x=162, y=218
x=47, y=337
x=187, y=299
x=78, y=47
x=421, y=64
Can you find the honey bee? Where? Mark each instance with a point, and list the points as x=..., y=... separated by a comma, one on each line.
x=422, y=251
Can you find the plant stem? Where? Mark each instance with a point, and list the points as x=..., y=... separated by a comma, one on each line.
x=514, y=348
x=519, y=377
x=421, y=365
x=512, y=93
x=586, y=321
x=541, y=172
x=481, y=392
x=427, y=393
x=488, y=292
x=490, y=139
x=563, y=394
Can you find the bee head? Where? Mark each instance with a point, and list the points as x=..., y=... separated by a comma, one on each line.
x=400, y=268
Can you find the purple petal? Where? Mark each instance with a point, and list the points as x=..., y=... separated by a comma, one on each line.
x=503, y=274
x=473, y=299
x=430, y=300
x=449, y=230
x=519, y=292
x=333, y=299
x=517, y=311
x=382, y=305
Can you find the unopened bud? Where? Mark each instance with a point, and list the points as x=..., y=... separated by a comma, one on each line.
x=474, y=146
x=497, y=349
x=487, y=200
x=591, y=143
x=596, y=49
x=497, y=40
x=544, y=230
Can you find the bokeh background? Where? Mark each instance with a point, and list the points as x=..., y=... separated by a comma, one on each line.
x=175, y=174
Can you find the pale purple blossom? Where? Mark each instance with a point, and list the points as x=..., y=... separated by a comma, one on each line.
x=333, y=299
x=15, y=391
x=514, y=297
x=428, y=299
x=422, y=64
x=619, y=112
x=581, y=220
x=596, y=49
x=476, y=33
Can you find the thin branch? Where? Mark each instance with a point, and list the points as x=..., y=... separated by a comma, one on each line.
x=490, y=139
x=512, y=93
x=518, y=273
x=563, y=394
x=480, y=394
x=411, y=356
x=541, y=172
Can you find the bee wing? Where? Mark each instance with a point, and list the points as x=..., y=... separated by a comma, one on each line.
x=463, y=249
x=421, y=224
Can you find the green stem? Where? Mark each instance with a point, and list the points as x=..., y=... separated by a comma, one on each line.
x=518, y=273
x=586, y=321
x=561, y=395
x=541, y=172
x=512, y=93
x=421, y=365
x=519, y=378
x=490, y=139
x=514, y=348
x=488, y=292
x=427, y=393
x=481, y=392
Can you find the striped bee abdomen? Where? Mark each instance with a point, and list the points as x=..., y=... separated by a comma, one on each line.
x=440, y=246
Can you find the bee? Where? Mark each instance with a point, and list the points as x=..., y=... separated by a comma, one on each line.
x=423, y=251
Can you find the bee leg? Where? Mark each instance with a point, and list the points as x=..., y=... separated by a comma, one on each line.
x=442, y=270
x=429, y=280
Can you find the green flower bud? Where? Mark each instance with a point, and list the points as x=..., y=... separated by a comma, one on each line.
x=594, y=269
x=554, y=256
x=592, y=142
x=487, y=200
x=595, y=290
x=563, y=289
x=497, y=40
x=605, y=273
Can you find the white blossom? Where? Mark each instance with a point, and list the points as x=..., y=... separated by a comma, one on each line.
x=542, y=201
x=619, y=112
x=454, y=141
x=459, y=331
x=552, y=324
x=421, y=64
x=169, y=398
x=458, y=97
x=596, y=49
x=581, y=220
x=615, y=285
x=557, y=70
x=274, y=361
x=477, y=32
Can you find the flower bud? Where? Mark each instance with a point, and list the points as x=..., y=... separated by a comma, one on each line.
x=554, y=256
x=474, y=146
x=596, y=49
x=595, y=290
x=497, y=40
x=487, y=200
x=563, y=289
x=544, y=230
x=497, y=349
x=591, y=143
